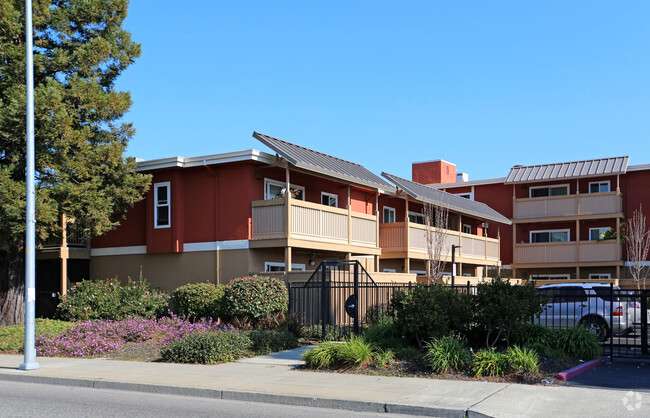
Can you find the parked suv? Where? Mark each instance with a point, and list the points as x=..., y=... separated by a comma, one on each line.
x=586, y=304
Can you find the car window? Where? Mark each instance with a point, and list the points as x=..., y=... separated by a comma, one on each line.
x=604, y=293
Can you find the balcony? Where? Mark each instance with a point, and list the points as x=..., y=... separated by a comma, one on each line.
x=568, y=252
x=322, y=225
x=473, y=248
x=578, y=205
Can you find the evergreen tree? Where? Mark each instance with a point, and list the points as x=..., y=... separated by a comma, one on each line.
x=80, y=48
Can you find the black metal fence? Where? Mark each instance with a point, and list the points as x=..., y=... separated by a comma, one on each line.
x=340, y=299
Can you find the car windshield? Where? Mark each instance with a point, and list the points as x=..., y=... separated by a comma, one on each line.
x=604, y=293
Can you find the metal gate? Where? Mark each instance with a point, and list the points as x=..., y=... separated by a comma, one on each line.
x=337, y=298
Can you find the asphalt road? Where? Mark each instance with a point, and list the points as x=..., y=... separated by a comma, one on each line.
x=39, y=400
x=631, y=375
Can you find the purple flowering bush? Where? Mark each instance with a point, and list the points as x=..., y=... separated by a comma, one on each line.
x=100, y=337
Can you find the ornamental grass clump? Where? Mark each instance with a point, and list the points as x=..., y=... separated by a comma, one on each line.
x=489, y=363
x=522, y=360
x=447, y=354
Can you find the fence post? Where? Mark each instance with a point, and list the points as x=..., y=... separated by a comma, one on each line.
x=356, y=298
x=611, y=322
x=644, y=323
x=468, y=287
x=290, y=298
x=323, y=308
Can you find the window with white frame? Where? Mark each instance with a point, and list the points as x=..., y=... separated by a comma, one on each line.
x=329, y=199
x=162, y=206
x=600, y=276
x=419, y=272
x=596, y=234
x=469, y=195
x=467, y=229
x=599, y=187
x=389, y=215
x=271, y=266
x=274, y=189
x=553, y=235
x=416, y=218
x=555, y=190
x=390, y=270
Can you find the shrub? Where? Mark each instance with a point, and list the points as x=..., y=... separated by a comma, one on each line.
x=197, y=300
x=424, y=313
x=578, y=342
x=529, y=335
x=208, y=348
x=12, y=338
x=271, y=341
x=377, y=313
x=489, y=363
x=254, y=297
x=108, y=299
x=385, y=334
x=447, y=354
x=332, y=332
x=500, y=307
x=522, y=360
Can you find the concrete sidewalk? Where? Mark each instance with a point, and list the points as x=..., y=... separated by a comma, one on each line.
x=274, y=379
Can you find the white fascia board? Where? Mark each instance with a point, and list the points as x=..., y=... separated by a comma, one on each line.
x=639, y=167
x=132, y=250
x=467, y=183
x=241, y=244
x=228, y=157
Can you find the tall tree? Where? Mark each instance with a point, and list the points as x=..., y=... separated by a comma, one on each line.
x=637, y=244
x=435, y=221
x=80, y=48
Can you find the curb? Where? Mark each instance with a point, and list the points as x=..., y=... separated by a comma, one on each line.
x=574, y=371
x=294, y=400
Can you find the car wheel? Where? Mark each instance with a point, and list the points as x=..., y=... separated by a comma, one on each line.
x=597, y=326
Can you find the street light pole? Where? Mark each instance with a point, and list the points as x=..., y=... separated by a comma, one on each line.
x=30, y=227
x=453, y=264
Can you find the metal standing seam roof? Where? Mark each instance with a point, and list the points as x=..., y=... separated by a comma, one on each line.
x=447, y=200
x=573, y=169
x=318, y=162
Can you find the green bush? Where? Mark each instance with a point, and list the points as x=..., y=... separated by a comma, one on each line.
x=385, y=335
x=447, y=354
x=383, y=358
x=108, y=299
x=266, y=341
x=254, y=297
x=489, y=363
x=532, y=334
x=12, y=338
x=329, y=354
x=423, y=313
x=208, y=348
x=197, y=300
x=522, y=360
x=578, y=342
x=500, y=307
x=355, y=352
x=377, y=313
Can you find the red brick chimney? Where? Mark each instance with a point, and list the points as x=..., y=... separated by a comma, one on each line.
x=431, y=172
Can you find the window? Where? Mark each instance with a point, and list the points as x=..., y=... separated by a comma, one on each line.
x=162, y=208
x=329, y=199
x=469, y=195
x=274, y=189
x=557, y=235
x=390, y=270
x=549, y=276
x=467, y=229
x=419, y=272
x=270, y=266
x=596, y=234
x=389, y=215
x=599, y=187
x=600, y=276
x=542, y=191
x=416, y=218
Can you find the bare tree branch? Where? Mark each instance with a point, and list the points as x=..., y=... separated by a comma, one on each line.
x=637, y=245
x=435, y=221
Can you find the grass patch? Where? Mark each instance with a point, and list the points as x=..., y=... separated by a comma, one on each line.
x=12, y=338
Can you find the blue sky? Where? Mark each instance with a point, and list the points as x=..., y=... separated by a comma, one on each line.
x=483, y=84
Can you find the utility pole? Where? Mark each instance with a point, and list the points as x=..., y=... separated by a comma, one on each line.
x=30, y=228
x=453, y=264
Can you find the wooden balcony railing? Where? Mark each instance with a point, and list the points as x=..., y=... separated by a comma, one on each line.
x=567, y=252
x=311, y=221
x=392, y=237
x=570, y=205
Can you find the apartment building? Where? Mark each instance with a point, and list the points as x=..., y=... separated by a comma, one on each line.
x=567, y=218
